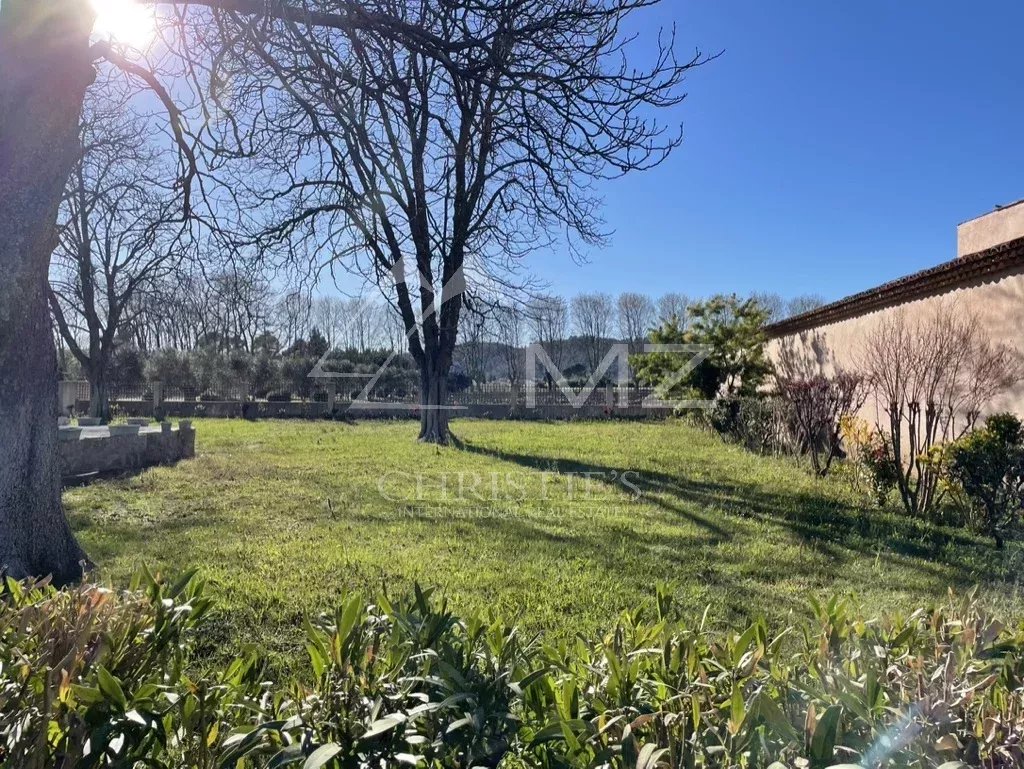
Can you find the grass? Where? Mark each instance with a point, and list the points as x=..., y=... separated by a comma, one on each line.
x=283, y=517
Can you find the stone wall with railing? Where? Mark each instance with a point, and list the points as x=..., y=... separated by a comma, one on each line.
x=487, y=401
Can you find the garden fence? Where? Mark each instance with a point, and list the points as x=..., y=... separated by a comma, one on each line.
x=230, y=398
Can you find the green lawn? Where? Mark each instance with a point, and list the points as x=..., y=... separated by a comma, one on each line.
x=284, y=516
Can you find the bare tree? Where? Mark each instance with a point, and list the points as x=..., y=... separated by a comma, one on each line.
x=931, y=376
x=512, y=108
x=47, y=59
x=774, y=306
x=804, y=303
x=393, y=329
x=592, y=318
x=328, y=313
x=433, y=176
x=510, y=321
x=114, y=239
x=365, y=322
x=46, y=66
x=674, y=306
x=476, y=348
x=636, y=317
x=235, y=305
x=548, y=319
x=293, y=317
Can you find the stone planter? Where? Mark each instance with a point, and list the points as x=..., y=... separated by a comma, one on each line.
x=185, y=424
x=117, y=430
x=140, y=421
x=89, y=422
x=69, y=433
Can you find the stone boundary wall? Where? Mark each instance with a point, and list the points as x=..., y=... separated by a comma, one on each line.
x=90, y=451
x=320, y=410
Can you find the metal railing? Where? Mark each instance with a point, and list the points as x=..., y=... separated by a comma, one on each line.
x=490, y=394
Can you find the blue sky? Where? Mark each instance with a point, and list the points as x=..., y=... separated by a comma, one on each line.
x=834, y=145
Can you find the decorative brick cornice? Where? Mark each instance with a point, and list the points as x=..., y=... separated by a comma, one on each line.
x=959, y=273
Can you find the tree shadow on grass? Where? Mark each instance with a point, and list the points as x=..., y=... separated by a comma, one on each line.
x=708, y=553
x=829, y=525
x=549, y=549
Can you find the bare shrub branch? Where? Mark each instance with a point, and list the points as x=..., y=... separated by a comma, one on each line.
x=931, y=377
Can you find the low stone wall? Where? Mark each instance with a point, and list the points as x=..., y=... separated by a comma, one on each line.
x=92, y=450
x=319, y=410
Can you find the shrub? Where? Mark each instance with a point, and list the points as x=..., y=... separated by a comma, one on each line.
x=281, y=396
x=988, y=466
x=266, y=376
x=90, y=678
x=295, y=369
x=897, y=692
x=458, y=381
x=211, y=396
x=171, y=367
x=762, y=425
x=819, y=405
x=883, y=471
x=868, y=452
x=931, y=377
x=731, y=332
x=87, y=676
x=211, y=367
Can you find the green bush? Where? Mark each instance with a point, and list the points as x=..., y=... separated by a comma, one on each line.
x=883, y=472
x=988, y=467
x=732, y=332
x=763, y=424
x=90, y=678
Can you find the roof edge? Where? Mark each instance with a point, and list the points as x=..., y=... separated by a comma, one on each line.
x=935, y=280
x=996, y=210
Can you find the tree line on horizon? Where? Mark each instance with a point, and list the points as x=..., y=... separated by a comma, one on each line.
x=212, y=332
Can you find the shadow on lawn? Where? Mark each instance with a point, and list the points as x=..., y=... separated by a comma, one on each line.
x=828, y=525
x=725, y=520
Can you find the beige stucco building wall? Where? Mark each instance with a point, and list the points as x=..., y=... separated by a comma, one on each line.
x=997, y=305
x=1000, y=226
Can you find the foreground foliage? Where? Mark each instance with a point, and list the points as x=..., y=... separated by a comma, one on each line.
x=89, y=678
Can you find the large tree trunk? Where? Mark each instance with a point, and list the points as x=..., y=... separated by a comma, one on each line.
x=46, y=68
x=99, y=394
x=434, y=407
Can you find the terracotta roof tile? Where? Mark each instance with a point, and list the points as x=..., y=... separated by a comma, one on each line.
x=988, y=264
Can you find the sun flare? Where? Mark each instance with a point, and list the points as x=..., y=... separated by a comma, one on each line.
x=125, y=21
